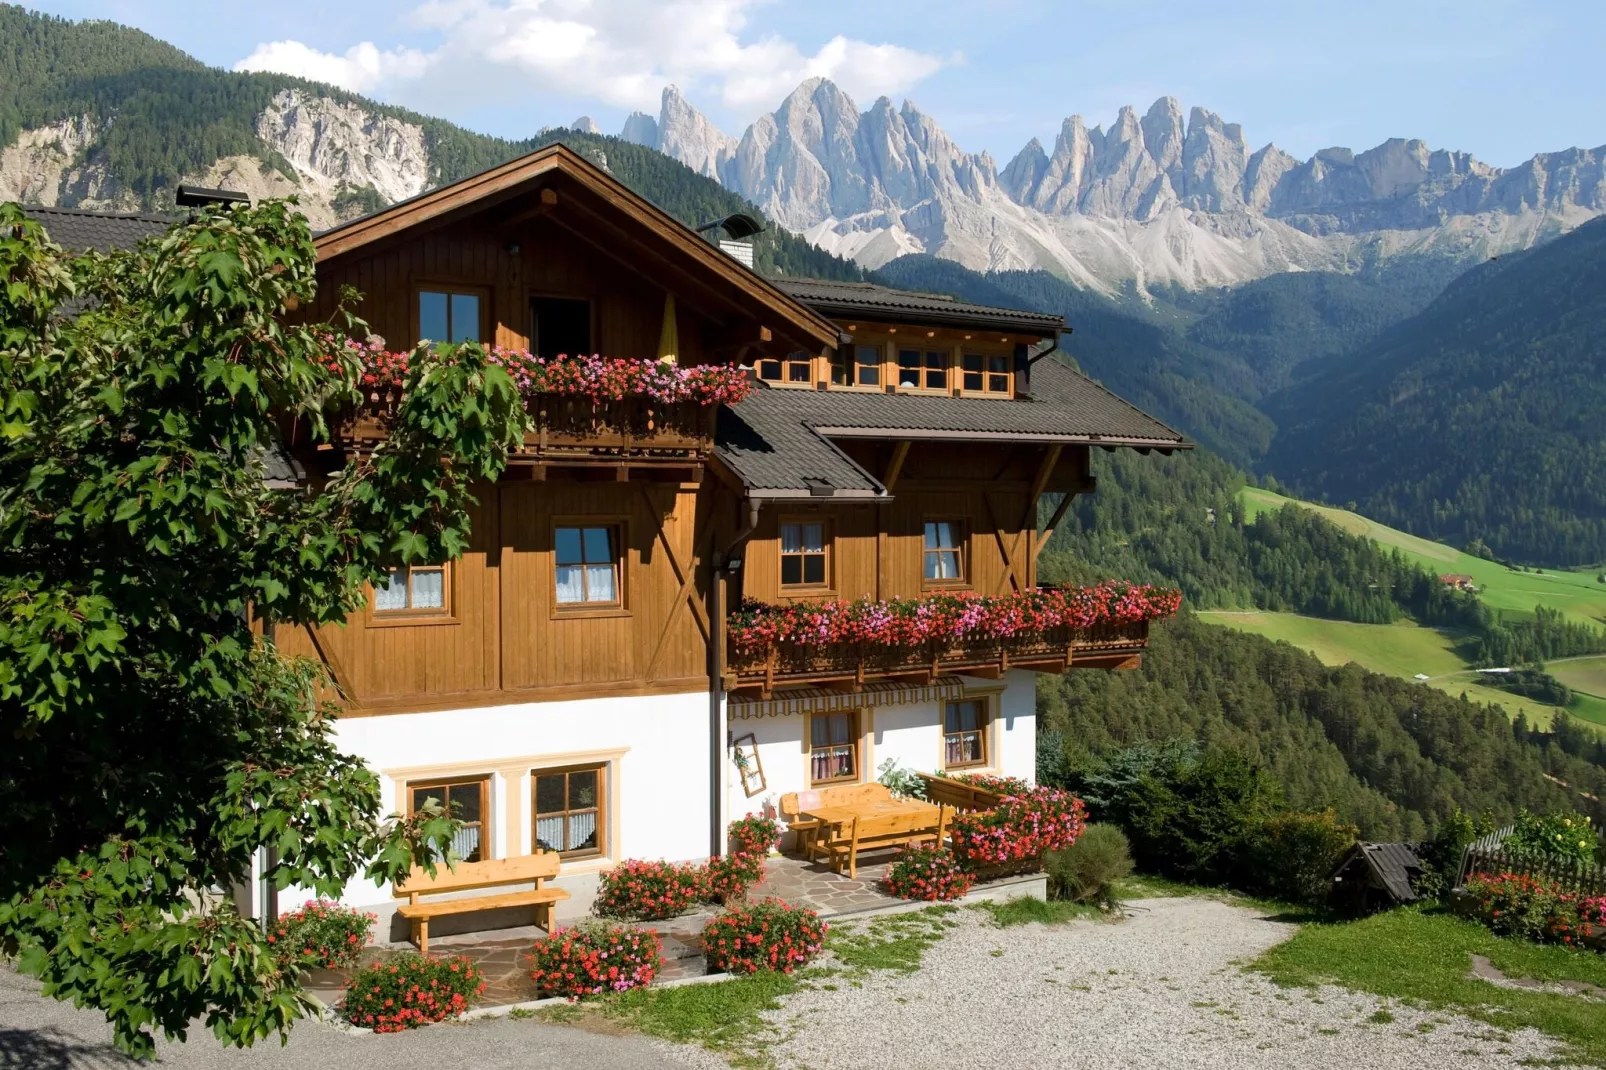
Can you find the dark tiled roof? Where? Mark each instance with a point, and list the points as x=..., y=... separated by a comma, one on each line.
x=1392, y=864
x=76, y=229
x=773, y=440
x=839, y=299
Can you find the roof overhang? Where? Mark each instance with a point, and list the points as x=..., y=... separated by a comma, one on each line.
x=969, y=317
x=921, y=434
x=614, y=208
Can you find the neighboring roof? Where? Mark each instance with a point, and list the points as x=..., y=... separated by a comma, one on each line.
x=610, y=199
x=907, y=306
x=78, y=230
x=1393, y=864
x=779, y=439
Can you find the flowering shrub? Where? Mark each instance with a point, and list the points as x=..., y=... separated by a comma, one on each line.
x=924, y=871
x=595, y=957
x=650, y=891
x=409, y=991
x=321, y=934
x=754, y=834
x=768, y=935
x=1566, y=836
x=1003, y=785
x=1513, y=904
x=946, y=619
x=1020, y=827
x=728, y=878
x=595, y=377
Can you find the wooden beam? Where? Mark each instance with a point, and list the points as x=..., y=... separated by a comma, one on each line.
x=687, y=575
x=1045, y=471
x=895, y=466
x=337, y=671
x=1041, y=540
x=739, y=336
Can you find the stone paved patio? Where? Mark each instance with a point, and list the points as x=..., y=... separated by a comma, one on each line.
x=504, y=953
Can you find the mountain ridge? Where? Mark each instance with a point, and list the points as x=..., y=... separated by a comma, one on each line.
x=1153, y=200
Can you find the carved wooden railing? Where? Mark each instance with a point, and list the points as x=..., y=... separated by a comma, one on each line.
x=1049, y=651
x=568, y=425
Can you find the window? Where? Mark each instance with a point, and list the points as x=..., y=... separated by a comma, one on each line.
x=833, y=747
x=420, y=589
x=466, y=798
x=794, y=369
x=560, y=326
x=867, y=365
x=804, y=555
x=587, y=565
x=987, y=374
x=945, y=553
x=448, y=316
x=568, y=810
x=926, y=370
x=964, y=734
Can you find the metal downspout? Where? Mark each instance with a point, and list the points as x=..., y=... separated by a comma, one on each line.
x=717, y=720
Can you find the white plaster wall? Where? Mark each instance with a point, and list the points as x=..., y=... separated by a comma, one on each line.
x=660, y=799
x=911, y=734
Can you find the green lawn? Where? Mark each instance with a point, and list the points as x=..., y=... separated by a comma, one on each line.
x=1424, y=957
x=1577, y=594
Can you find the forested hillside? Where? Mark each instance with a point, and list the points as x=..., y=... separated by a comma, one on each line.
x=1480, y=418
x=1394, y=757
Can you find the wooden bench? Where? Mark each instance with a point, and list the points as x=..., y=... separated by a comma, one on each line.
x=841, y=795
x=532, y=869
x=891, y=830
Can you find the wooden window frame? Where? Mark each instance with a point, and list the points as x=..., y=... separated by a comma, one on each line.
x=621, y=554
x=923, y=369
x=787, y=368
x=962, y=547
x=987, y=374
x=856, y=741
x=847, y=360
x=410, y=617
x=983, y=732
x=487, y=827
x=827, y=540
x=602, y=769
x=424, y=286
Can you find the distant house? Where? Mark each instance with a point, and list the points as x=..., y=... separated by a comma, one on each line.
x=1460, y=581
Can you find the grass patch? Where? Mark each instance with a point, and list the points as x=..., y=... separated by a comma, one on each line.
x=1424, y=957
x=891, y=942
x=1029, y=909
x=1148, y=886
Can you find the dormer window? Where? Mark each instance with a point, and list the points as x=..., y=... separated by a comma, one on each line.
x=923, y=369
x=986, y=373
x=795, y=369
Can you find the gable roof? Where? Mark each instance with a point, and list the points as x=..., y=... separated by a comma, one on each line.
x=613, y=209
x=77, y=229
x=778, y=439
x=849, y=299
x=1391, y=864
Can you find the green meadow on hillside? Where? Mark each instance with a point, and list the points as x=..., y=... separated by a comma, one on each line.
x=1576, y=594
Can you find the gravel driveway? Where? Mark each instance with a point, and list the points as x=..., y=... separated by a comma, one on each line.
x=1159, y=991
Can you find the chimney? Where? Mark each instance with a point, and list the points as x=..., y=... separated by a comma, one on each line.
x=741, y=250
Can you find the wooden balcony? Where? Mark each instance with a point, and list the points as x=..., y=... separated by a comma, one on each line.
x=1105, y=646
x=572, y=430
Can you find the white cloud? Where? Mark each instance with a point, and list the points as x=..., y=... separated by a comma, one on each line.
x=363, y=68
x=621, y=52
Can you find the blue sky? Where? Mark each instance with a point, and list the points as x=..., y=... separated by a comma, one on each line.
x=1500, y=79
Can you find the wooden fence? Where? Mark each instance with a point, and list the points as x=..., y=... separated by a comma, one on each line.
x=1490, y=855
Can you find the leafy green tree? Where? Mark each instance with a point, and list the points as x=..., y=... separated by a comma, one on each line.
x=152, y=744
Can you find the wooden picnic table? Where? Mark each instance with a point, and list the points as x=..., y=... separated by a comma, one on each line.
x=905, y=817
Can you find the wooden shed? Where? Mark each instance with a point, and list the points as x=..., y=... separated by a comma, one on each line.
x=1376, y=876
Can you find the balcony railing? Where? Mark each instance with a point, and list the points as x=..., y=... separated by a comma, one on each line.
x=581, y=408
x=1048, y=630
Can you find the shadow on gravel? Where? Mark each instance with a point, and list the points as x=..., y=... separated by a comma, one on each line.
x=51, y=1049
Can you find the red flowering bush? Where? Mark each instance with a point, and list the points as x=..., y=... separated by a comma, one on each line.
x=944, y=620
x=1003, y=785
x=382, y=374
x=729, y=878
x=651, y=891
x=754, y=834
x=409, y=991
x=593, y=958
x=927, y=872
x=1513, y=904
x=1020, y=827
x=767, y=935
x=321, y=934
